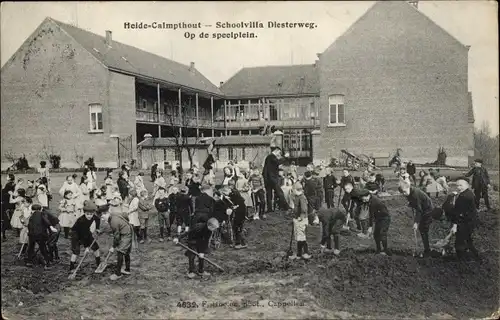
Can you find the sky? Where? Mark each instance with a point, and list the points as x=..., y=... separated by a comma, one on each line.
x=473, y=23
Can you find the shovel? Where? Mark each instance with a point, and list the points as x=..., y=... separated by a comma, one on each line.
x=196, y=253
x=443, y=242
x=289, y=253
x=20, y=252
x=73, y=275
x=102, y=266
x=416, y=243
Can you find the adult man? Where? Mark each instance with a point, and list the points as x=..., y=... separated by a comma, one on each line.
x=271, y=177
x=480, y=183
x=464, y=220
x=422, y=205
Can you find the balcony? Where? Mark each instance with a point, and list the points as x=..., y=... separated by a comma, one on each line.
x=187, y=121
x=306, y=123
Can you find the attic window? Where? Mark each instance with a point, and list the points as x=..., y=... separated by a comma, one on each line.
x=96, y=50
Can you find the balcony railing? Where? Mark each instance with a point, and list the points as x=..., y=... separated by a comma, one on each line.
x=186, y=121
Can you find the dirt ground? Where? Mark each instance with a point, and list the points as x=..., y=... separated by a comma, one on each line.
x=260, y=283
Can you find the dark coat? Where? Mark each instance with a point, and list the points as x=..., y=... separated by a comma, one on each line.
x=194, y=188
x=161, y=204
x=198, y=237
x=271, y=168
x=421, y=203
x=332, y=220
x=184, y=204
x=329, y=182
x=204, y=206
x=465, y=208
x=311, y=193
x=123, y=187
x=378, y=210
x=240, y=212
x=81, y=228
x=480, y=177
x=411, y=169
x=344, y=180
x=38, y=225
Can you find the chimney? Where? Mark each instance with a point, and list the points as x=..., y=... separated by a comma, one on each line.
x=221, y=83
x=414, y=3
x=108, y=38
x=468, y=47
x=319, y=55
x=191, y=67
x=316, y=63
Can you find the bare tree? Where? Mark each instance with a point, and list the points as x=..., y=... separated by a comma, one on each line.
x=79, y=158
x=181, y=140
x=486, y=144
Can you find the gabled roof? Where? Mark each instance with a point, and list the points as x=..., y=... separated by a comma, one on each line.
x=411, y=16
x=219, y=141
x=471, y=108
x=273, y=81
x=128, y=59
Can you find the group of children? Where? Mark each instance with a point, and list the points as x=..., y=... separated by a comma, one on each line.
x=199, y=206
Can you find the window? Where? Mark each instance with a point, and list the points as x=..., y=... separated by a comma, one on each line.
x=336, y=110
x=230, y=153
x=95, y=111
x=217, y=152
x=243, y=155
x=144, y=104
x=177, y=156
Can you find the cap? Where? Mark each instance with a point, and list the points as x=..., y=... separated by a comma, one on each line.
x=89, y=206
x=479, y=160
x=36, y=207
x=464, y=179
x=307, y=174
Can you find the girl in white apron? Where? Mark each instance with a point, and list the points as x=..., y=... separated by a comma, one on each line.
x=18, y=198
x=68, y=212
x=133, y=211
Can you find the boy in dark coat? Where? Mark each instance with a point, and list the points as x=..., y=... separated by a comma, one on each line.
x=480, y=183
x=329, y=185
x=38, y=227
x=313, y=199
x=238, y=216
x=161, y=205
x=331, y=222
x=198, y=238
x=81, y=235
x=464, y=220
x=123, y=236
x=53, y=236
x=379, y=220
x=350, y=202
x=172, y=202
x=184, y=210
x=422, y=206
x=204, y=206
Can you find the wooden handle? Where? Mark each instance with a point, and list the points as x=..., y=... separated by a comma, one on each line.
x=196, y=253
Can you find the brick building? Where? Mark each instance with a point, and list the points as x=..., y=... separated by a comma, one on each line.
x=393, y=80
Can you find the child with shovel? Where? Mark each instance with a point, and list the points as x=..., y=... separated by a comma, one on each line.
x=81, y=235
x=379, y=220
x=422, y=206
x=331, y=223
x=123, y=236
x=198, y=238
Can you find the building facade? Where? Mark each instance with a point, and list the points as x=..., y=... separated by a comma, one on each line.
x=393, y=80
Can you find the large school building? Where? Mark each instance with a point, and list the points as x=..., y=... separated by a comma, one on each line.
x=393, y=80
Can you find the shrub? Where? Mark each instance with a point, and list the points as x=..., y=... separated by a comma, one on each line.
x=22, y=163
x=90, y=162
x=55, y=161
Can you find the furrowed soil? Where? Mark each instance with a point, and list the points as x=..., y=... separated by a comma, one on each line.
x=258, y=280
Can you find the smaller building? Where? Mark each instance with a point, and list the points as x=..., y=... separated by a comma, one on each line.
x=241, y=149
